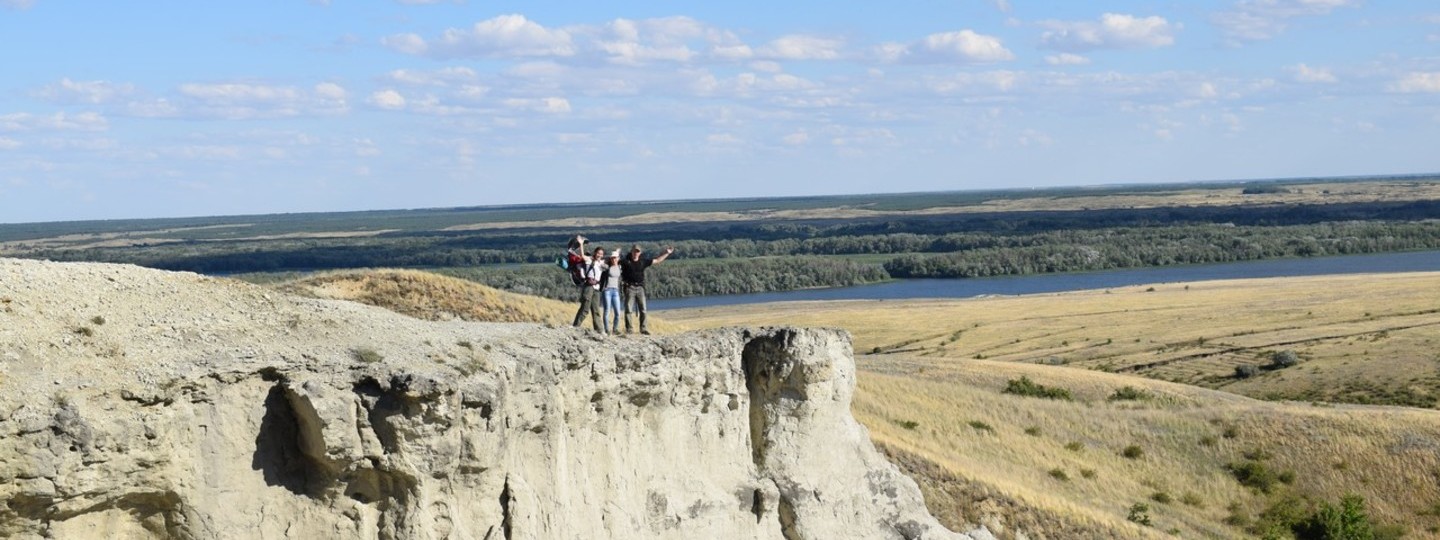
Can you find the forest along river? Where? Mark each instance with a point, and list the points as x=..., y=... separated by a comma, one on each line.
x=1414, y=261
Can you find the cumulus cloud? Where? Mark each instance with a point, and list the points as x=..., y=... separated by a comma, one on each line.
x=1259, y=20
x=1112, y=31
x=635, y=42
x=548, y=105
x=966, y=46
x=1307, y=74
x=802, y=47
x=1415, y=83
x=61, y=121
x=239, y=101
x=387, y=99
x=440, y=77
x=504, y=36
x=1066, y=59
x=68, y=92
x=962, y=47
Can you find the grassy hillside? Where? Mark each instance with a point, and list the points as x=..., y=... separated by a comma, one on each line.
x=1357, y=339
x=934, y=374
x=431, y=296
x=1058, y=469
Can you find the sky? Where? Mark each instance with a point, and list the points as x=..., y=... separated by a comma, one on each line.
x=174, y=108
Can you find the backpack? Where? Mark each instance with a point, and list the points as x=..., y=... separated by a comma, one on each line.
x=577, y=270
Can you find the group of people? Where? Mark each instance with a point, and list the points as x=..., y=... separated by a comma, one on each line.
x=616, y=280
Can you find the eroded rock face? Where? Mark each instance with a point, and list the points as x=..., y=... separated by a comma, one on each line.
x=137, y=403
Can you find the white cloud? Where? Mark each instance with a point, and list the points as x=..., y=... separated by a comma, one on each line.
x=1307, y=74
x=796, y=139
x=9, y=144
x=802, y=47
x=1420, y=82
x=68, y=92
x=734, y=51
x=389, y=100
x=966, y=46
x=17, y=4
x=239, y=101
x=1066, y=59
x=1258, y=20
x=548, y=105
x=635, y=42
x=86, y=121
x=506, y=36
x=1112, y=31
x=440, y=77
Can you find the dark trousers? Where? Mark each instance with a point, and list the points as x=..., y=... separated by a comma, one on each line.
x=635, y=303
x=589, y=303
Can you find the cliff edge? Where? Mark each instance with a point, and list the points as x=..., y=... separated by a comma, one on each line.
x=144, y=404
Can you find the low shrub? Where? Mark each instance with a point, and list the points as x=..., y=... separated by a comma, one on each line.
x=1129, y=393
x=1026, y=387
x=1139, y=513
x=1059, y=474
x=1132, y=452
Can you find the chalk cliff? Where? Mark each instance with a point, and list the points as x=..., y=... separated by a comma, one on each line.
x=143, y=404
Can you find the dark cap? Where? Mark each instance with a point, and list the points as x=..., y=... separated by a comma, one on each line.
x=636, y=248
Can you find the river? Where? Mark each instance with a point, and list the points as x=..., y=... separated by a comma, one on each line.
x=1413, y=261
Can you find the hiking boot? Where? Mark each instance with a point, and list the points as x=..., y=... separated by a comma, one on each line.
x=646, y=332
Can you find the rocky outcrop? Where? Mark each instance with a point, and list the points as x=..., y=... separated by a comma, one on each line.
x=143, y=404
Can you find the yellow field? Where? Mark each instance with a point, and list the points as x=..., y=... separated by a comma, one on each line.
x=928, y=397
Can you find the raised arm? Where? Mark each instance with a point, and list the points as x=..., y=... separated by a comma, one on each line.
x=663, y=256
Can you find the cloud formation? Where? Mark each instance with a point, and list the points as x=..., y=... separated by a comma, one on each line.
x=1306, y=74
x=1112, y=31
x=17, y=4
x=1259, y=20
x=68, y=92
x=500, y=37
x=1416, y=83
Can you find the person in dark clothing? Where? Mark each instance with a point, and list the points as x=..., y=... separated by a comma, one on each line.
x=632, y=280
x=589, y=289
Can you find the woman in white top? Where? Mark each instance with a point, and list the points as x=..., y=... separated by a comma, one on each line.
x=610, y=292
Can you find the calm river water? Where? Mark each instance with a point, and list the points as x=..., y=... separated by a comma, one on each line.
x=1415, y=261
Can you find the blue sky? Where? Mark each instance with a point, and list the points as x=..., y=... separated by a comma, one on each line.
x=183, y=108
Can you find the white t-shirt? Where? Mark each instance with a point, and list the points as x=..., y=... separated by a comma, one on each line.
x=593, y=272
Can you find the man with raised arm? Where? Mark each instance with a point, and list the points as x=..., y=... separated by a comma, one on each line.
x=632, y=280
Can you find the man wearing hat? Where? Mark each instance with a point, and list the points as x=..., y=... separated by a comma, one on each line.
x=632, y=279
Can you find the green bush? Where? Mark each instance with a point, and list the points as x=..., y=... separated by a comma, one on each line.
x=1347, y=521
x=1087, y=473
x=1284, y=359
x=1139, y=513
x=1132, y=452
x=1032, y=431
x=908, y=424
x=1246, y=371
x=1129, y=393
x=1074, y=446
x=1161, y=497
x=1254, y=475
x=1026, y=387
x=982, y=426
x=1059, y=474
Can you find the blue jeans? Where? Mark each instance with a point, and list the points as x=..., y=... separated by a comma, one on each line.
x=611, y=315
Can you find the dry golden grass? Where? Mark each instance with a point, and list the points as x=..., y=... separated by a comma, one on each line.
x=431, y=296
x=1390, y=456
x=1361, y=338
x=923, y=389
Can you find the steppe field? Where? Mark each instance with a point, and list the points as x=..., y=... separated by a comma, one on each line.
x=1134, y=398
